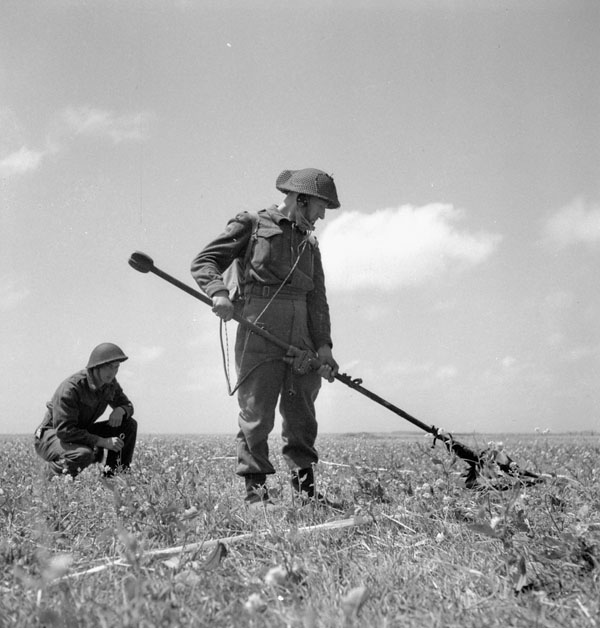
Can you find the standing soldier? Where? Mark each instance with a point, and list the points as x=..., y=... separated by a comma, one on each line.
x=283, y=291
x=69, y=439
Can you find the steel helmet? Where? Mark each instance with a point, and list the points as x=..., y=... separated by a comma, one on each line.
x=104, y=354
x=309, y=181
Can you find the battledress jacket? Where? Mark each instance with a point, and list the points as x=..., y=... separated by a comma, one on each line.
x=77, y=404
x=274, y=252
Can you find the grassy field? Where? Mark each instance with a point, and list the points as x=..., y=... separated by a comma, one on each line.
x=414, y=549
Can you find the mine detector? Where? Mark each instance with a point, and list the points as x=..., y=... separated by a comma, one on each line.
x=489, y=468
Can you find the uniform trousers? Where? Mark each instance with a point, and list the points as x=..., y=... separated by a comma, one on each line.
x=72, y=458
x=265, y=379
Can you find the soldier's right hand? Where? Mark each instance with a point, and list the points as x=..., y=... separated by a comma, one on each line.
x=222, y=306
x=114, y=443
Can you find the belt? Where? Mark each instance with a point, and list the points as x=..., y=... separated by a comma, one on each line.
x=267, y=291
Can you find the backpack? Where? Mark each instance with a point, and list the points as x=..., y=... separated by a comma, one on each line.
x=234, y=274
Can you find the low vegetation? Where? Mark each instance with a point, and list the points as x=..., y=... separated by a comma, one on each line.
x=416, y=549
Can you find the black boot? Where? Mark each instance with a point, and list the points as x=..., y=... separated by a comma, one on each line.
x=257, y=496
x=303, y=481
x=256, y=489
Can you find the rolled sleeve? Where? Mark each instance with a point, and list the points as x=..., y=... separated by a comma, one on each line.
x=208, y=266
x=120, y=400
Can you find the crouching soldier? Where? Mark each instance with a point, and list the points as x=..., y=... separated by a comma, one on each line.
x=69, y=439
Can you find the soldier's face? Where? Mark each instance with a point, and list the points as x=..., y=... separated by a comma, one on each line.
x=315, y=209
x=107, y=372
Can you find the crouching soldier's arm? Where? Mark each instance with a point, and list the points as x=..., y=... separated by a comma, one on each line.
x=122, y=407
x=70, y=417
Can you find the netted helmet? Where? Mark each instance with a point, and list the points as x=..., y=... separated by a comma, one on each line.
x=104, y=354
x=309, y=181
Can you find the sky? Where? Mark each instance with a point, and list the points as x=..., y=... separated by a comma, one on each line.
x=464, y=140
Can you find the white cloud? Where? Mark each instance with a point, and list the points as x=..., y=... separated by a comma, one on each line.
x=449, y=371
x=11, y=133
x=20, y=162
x=205, y=332
x=508, y=362
x=148, y=354
x=11, y=295
x=83, y=121
x=573, y=224
x=400, y=370
x=99, y=123
x=203, y=379
x=399, y=246
x=555, y=339
x=559, y=300
x=582, y=353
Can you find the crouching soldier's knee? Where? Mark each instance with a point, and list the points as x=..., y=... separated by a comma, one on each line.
x=76, y=458
x=130, y=426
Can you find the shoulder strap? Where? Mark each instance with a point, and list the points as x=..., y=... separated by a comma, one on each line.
x=253, y=237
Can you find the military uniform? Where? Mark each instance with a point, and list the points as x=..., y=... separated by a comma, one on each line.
x=284, y=292
x=298, y=315
x=68, y=436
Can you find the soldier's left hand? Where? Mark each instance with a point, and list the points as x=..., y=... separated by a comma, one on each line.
x=329, y=367
x=116, y=417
